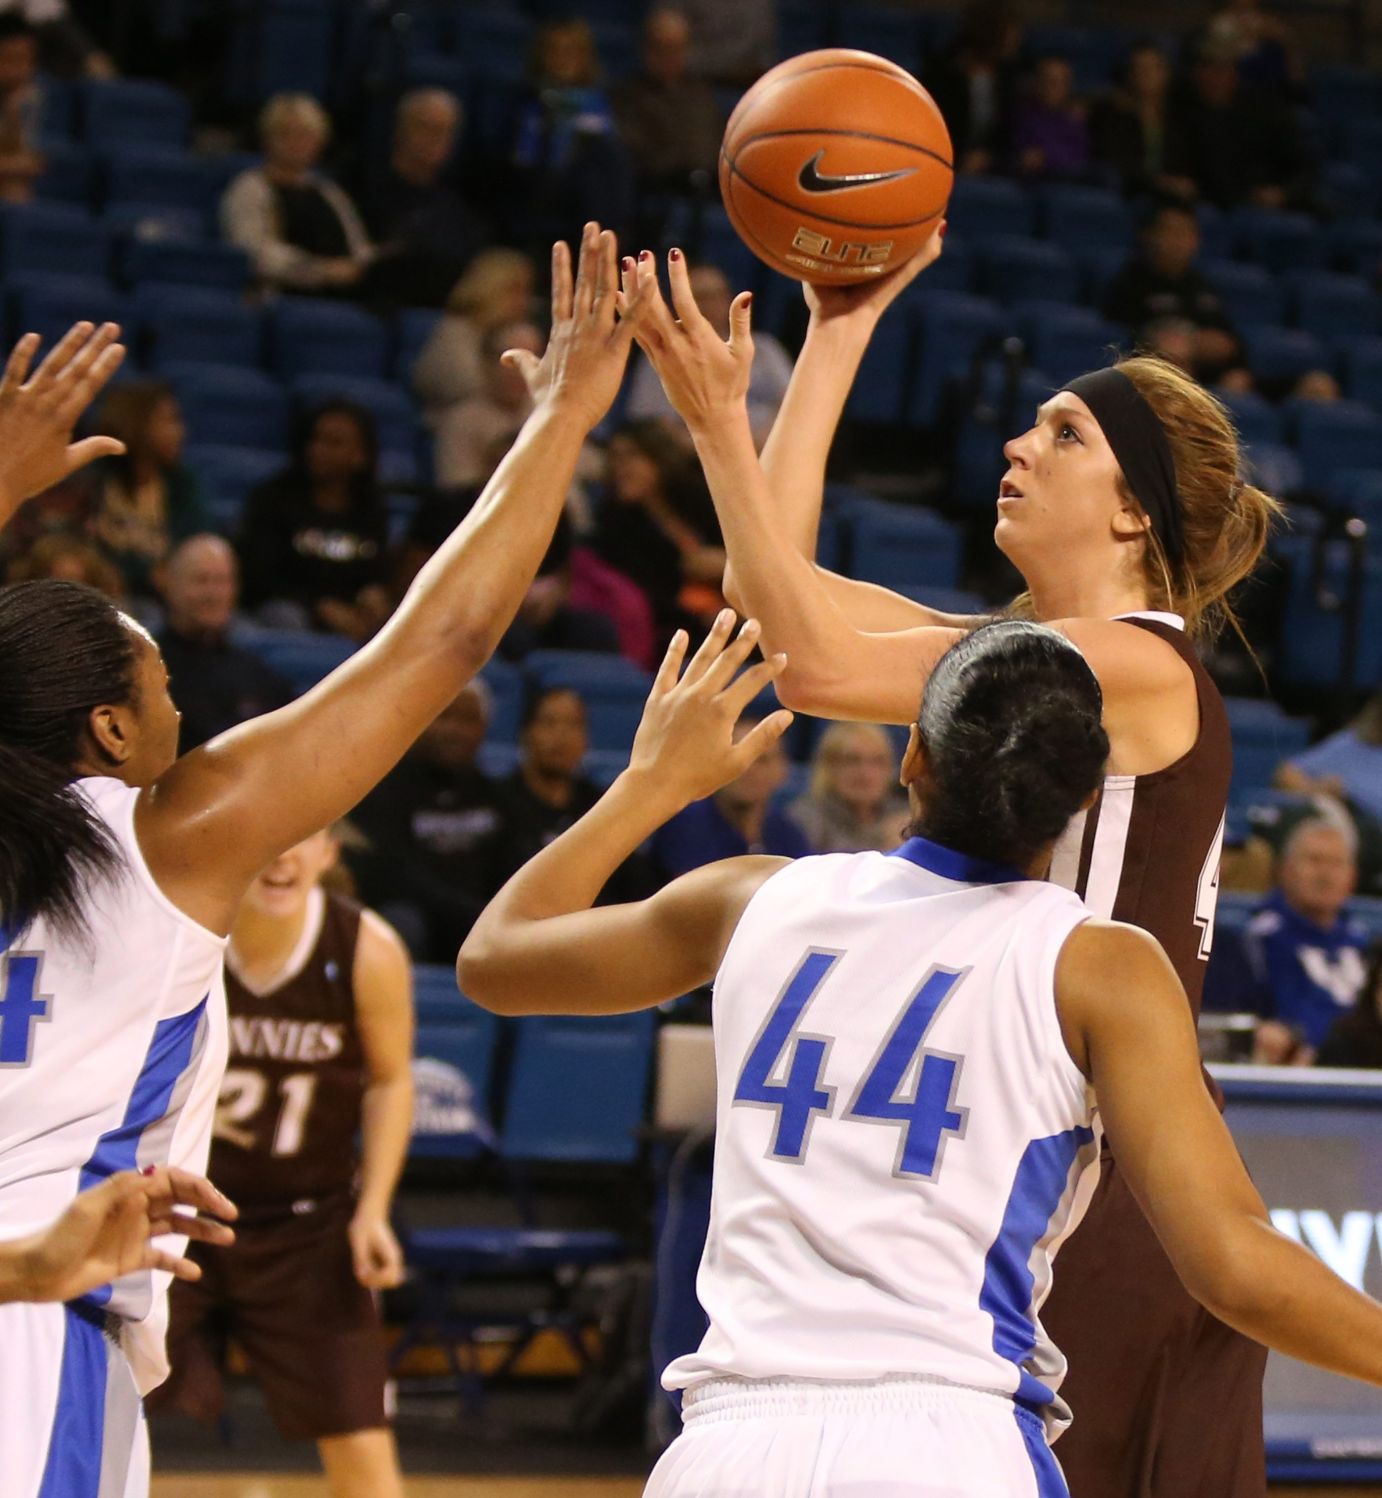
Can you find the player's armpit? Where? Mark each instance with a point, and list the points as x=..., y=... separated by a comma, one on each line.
x=1129, y=1028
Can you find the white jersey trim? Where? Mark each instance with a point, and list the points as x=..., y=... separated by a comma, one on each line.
x=297, y=959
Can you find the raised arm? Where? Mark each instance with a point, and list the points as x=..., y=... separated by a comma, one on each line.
x=222, y=812
x=539, y=948
x=1129, y=1028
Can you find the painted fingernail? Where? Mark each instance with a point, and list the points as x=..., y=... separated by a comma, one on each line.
x=942, y=229
x=628, y=262
x=748, y=299
x=645, y=255
x=149, y=1170
x=674, y=254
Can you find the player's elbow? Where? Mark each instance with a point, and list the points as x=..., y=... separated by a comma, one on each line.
x=805, y=687
x=1225, y=1276
x=480, y=975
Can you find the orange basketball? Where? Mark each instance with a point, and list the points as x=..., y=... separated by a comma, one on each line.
x=836, y=166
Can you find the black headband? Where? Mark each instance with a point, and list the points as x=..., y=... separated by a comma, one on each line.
x=1138, y=440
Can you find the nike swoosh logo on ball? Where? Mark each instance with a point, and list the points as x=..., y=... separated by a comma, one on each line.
x=811, y=179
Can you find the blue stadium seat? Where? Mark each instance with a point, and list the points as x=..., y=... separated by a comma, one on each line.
x=1367, y=910
x=1096, y=268
x=454, y=1051
x=1341, y=93
x=497, y=760
x=1275, y=467
x=1330, y=305
x=281, y=46
x=176, y=179
x=613, y=690
x=186, y=262
x=878, y=396
x=1251, y=294
x=578, y=1088
x=999, y=412
x=1360, y=361
x=1280, y=241
x=1333, y=435
x=1084, y=218
x=720, y=244
x=395, y=416
x=1216, y=232
x=412, y=332
x=1067, y=341
x=953, y=328
x=190, y=324
x=1361, y=139
x=801, y=27
x=954, y=271
x=616, y=45
x=505, y=683
x=312, y=336
x=153, y=221
x=49, y=305
x=983, y=206
x=1348, y=191
x=302, y=657
x=228, y=474
x=895, y=544
x=891, y=33
x=483, y=36
x=1358, y=491
x=126, y=111
x=1281, y=355
x=52, y=239
x=1014, y=269
x=230, y=406
x=1311, y=643
x=69, y=171
x=1257, y=421
x=1263, y=736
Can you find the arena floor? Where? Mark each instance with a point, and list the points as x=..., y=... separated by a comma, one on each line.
x=199, y=1485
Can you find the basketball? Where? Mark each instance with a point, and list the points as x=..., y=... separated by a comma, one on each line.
x=836, y=166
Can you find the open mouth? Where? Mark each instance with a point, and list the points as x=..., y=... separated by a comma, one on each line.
x=1009, y=490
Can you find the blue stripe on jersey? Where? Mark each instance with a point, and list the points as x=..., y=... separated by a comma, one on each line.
x=1042, y=1178
x=937, y=859
x=1050, y=1479
x=170, y=1053
x=77, y=1439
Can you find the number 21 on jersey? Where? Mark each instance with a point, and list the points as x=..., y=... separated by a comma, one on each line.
x=907, y=1086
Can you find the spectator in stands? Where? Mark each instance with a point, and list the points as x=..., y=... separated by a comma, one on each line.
x=64, y=47
x=1356, y=1038
x=567, y=163
x=21, y=110
x=1051, y=126
x=975, y=84
x=314, y=538
x=732, y=41
x=854, y=803
x=1161, y=281
x=1263, y=46
x=215, y=682
x=429, y=866
x=496, y=289
x=1132, y=129
x=655, y=524
x=1317, y=386
x=301, y=231
x=768, y=379
x=1347, y=764
x=547, y=619
x=547, y=793
x=738, y=819
x=669, y=119
x=415, y=211
x=1237, y=145
x=1301, y=960
x=468, y=431
x=72, y=559
x=147, y=499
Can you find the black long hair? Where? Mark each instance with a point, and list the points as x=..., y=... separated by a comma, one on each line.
x=64, y=650
x=1011, y=725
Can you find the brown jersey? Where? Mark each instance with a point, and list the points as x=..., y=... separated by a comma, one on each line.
x=289, y=1110
x=1147, y=852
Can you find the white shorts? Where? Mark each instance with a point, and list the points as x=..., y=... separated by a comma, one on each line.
x=71, y=1421
x=896, y=1438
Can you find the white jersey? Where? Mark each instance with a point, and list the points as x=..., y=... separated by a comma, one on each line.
x=111, y=1055
x=903, y=1140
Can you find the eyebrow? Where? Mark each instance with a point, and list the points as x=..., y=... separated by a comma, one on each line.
x=1046, y=409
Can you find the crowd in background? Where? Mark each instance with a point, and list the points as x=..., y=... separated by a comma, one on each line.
x=431, y=215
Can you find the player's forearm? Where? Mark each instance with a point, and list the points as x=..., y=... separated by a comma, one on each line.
x=466, y=596
x=774, y=581
x=17, y=1278
x=1278, y=1293
x=386, y=1126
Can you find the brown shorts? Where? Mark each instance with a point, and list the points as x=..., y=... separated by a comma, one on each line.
x=1167, y=1400
x=287, y=1294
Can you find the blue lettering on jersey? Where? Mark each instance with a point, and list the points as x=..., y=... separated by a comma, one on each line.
x=926, y=1111
x=21, y=1008
x=800, y=1097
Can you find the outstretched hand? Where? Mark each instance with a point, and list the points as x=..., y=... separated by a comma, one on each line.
x=108, y=1231
x=38, y=411
x=867, y=301
x=704, y=375
x=685, y=743
x=588, y=348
